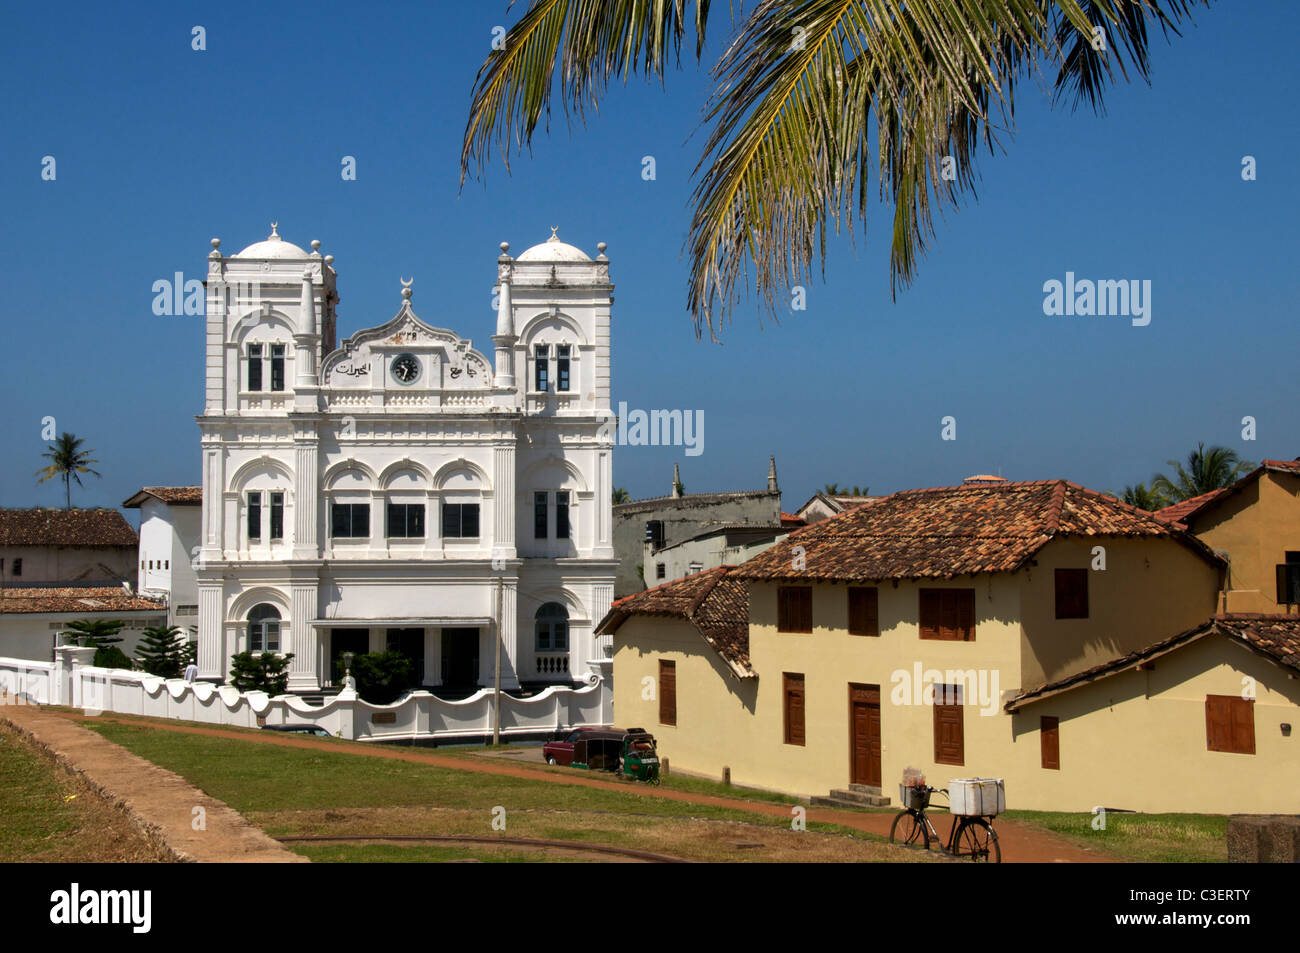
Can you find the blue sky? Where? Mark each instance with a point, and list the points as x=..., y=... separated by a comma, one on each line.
x=159, y=148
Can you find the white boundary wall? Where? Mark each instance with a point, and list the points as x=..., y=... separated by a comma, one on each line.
x=418, y=715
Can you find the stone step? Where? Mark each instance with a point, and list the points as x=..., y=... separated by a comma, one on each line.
x=834, y=799
x=865, y=789
x=873, y=798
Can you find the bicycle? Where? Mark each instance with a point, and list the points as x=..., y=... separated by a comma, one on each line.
x=972, y=836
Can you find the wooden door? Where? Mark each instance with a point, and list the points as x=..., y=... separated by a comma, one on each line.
x=864, y=734
x=949, y=733
x=667, y=692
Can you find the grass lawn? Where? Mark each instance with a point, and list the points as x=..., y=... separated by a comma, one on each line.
x=1155, y=838
x=48, y=814
x=293, y=791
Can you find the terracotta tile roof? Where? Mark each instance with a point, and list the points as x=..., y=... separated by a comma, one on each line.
x=1178, y=512
x=955, y=531
x=1275, y=636
x=171, y=495
x=790, y=519
x=713, y=601
x=76, y=527
x=81, y=600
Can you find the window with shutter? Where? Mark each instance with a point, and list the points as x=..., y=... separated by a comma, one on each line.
x=667, y=692
x=792, y=688
x=1230, y=724
x=1049, y=728
x=1072, y=593
x=794, y=609
x=949, y=734
x=864, y=611
x=947, y=614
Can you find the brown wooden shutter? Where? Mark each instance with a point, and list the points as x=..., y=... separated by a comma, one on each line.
x=794, y=609
x=1049, y=729
x=864, y=611
x=1242, y=713
x=794, y=708
x=931, y=609
x=949, y=737
x=947, y=614
x=1230, y=724
x=965, y=614
x=667, y=692
x=1071, y=593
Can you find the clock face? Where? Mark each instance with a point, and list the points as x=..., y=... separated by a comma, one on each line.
x=406, y=368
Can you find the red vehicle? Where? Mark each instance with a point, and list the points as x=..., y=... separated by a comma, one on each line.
x=560, y=751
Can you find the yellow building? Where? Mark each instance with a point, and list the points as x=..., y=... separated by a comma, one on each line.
x=895, y=635
x=1256, y=522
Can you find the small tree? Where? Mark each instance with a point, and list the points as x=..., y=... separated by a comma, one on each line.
x=102, y=634
x=161, y=652
x=67, y=462
x=383, y=677
x=267, y=672
x=97, y=632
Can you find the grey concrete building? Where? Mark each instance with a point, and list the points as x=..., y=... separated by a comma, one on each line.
x=682, y=516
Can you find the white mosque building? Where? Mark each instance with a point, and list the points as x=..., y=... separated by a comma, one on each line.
x=399, y=489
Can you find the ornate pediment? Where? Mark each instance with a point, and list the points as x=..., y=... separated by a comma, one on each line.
x=447, y=361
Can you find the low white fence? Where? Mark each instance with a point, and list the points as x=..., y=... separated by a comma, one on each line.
x=418, y=715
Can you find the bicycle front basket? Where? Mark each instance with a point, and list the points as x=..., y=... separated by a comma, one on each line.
x=914, y=799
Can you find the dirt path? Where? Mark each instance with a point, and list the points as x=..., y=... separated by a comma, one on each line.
x=163, y=805
x=1020, y=843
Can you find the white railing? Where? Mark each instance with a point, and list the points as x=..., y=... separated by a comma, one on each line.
x=556, y=663
x=418, y=715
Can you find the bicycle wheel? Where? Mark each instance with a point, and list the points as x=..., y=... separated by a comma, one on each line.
x=977, y=840
x=909, y=829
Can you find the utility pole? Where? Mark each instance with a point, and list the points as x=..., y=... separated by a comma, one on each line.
x=496, y=681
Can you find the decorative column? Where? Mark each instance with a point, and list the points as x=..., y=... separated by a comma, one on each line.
x=503, y=502
x=217, y=353
x=306, y=483
x=509, y=625
x=306, y=340
x=213, y=497
x=505, y=337
x=212, y=631
x=302, y=637
x=604, y=504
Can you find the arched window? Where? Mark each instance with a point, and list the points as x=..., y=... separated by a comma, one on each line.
x=552, y=628
x=264, y=628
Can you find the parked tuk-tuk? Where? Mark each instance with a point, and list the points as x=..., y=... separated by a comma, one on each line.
x=628, y=752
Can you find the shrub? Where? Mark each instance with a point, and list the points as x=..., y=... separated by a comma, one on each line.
x=383, y=677
x=110, y=656
x=160, y=653
x=267, y=672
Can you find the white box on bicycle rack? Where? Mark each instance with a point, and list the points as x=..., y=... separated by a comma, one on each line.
x=977, y=797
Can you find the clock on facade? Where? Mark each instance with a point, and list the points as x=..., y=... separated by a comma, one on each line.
x=406, y=368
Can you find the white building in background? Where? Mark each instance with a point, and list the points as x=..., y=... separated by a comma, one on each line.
x=395, y=489
x=170, y=520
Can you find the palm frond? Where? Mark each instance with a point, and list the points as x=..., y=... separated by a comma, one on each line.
x=814, y=96
x=592, y=41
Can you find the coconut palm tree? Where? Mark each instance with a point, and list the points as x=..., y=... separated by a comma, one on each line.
x=1144, y=498
x=813, y=97
x=69, y=461
x=620, y=495
x=1206, y=470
